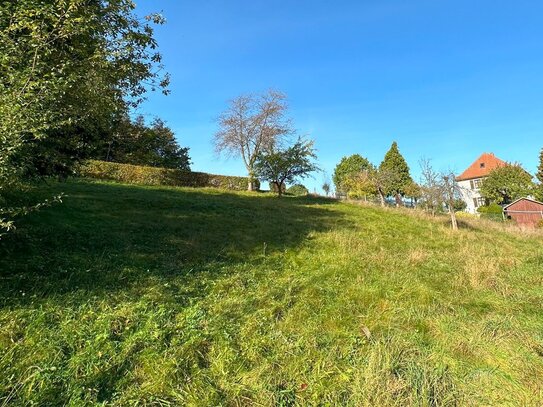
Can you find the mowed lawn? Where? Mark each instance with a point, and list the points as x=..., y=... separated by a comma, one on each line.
x=127, y=295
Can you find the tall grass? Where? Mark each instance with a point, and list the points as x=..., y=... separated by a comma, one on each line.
x=130, y=295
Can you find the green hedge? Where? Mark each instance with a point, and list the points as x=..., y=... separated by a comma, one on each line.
x=135, y=174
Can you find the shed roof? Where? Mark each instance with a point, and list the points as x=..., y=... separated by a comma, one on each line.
x=481, y=167
x=523, y=199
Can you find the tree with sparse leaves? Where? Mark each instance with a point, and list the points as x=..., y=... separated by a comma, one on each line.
x=439, y=191
x=507, y=183
x=431, y=188
x=251, y=126
x=400, y=179
x=285, y=166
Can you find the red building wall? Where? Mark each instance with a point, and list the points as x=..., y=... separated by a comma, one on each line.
x=525, y=212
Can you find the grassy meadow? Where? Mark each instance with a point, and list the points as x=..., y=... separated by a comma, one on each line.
x=130, y=295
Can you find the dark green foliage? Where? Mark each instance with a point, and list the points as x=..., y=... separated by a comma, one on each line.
x=134, y=174
x=282, y=167
x=348, y=167
x=135, y=142
x=399, y=180
x=298, y=190
x=539, y=176
x=506, y=184
x=459, y=205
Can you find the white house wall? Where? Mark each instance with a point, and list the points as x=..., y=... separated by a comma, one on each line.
x=468, y=195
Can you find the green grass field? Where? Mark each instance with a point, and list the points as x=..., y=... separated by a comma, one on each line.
x=127, y=295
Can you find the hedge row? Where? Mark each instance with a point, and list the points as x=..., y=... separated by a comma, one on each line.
x=135, y=174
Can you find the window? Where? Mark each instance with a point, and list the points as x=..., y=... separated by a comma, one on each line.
x=479, y=202
x=482, y=165
x=475, y=183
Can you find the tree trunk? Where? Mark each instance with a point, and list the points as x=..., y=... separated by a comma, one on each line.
x=251, y=185
x=398, y=200
x=382, y=198
x=454, y=222
x=279, y=189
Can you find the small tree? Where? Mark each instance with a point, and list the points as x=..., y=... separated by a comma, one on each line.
x=414, y=192
x=361, y=185
x=451, y=192
x=440, y=190
x=369, y=183
x=347, y=167
x=399, y=178
x=507, y=183
x=326, y=185
x=251, y=126
x=287, y=165
x=432, y=194
x=326, y=188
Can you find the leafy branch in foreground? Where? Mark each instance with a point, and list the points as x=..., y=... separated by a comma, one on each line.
x=7, y=215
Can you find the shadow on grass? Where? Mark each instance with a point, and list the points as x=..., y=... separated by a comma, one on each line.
x=104, y=237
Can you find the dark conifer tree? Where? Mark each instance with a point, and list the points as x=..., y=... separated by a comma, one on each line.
x=398, y=178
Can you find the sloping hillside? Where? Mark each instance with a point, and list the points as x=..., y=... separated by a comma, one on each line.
x=165, y=296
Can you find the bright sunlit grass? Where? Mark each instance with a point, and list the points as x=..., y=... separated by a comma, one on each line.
x=129, y=295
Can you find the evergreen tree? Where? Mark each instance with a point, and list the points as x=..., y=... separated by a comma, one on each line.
x=398, y=179
x=539, y=176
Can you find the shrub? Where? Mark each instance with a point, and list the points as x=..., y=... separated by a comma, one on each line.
x=492, y=211
x=298, y=190
x=135, y=174
x=459, y=205
x=540, y=224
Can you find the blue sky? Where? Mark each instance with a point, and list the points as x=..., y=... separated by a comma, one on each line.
x=447, y=80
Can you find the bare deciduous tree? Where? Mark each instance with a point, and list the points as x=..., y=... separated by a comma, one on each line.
x=253, y=124
x=451, y=191
x=432, y=193
x=439, y=189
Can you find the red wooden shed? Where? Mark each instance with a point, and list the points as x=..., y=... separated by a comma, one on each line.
x=525, y=211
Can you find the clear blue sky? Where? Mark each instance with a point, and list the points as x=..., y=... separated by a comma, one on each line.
x=447, y=80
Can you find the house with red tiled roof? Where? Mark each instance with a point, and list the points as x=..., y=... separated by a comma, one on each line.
x=471, y=179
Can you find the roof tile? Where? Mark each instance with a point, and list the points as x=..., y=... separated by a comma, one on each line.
x=481, y=167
